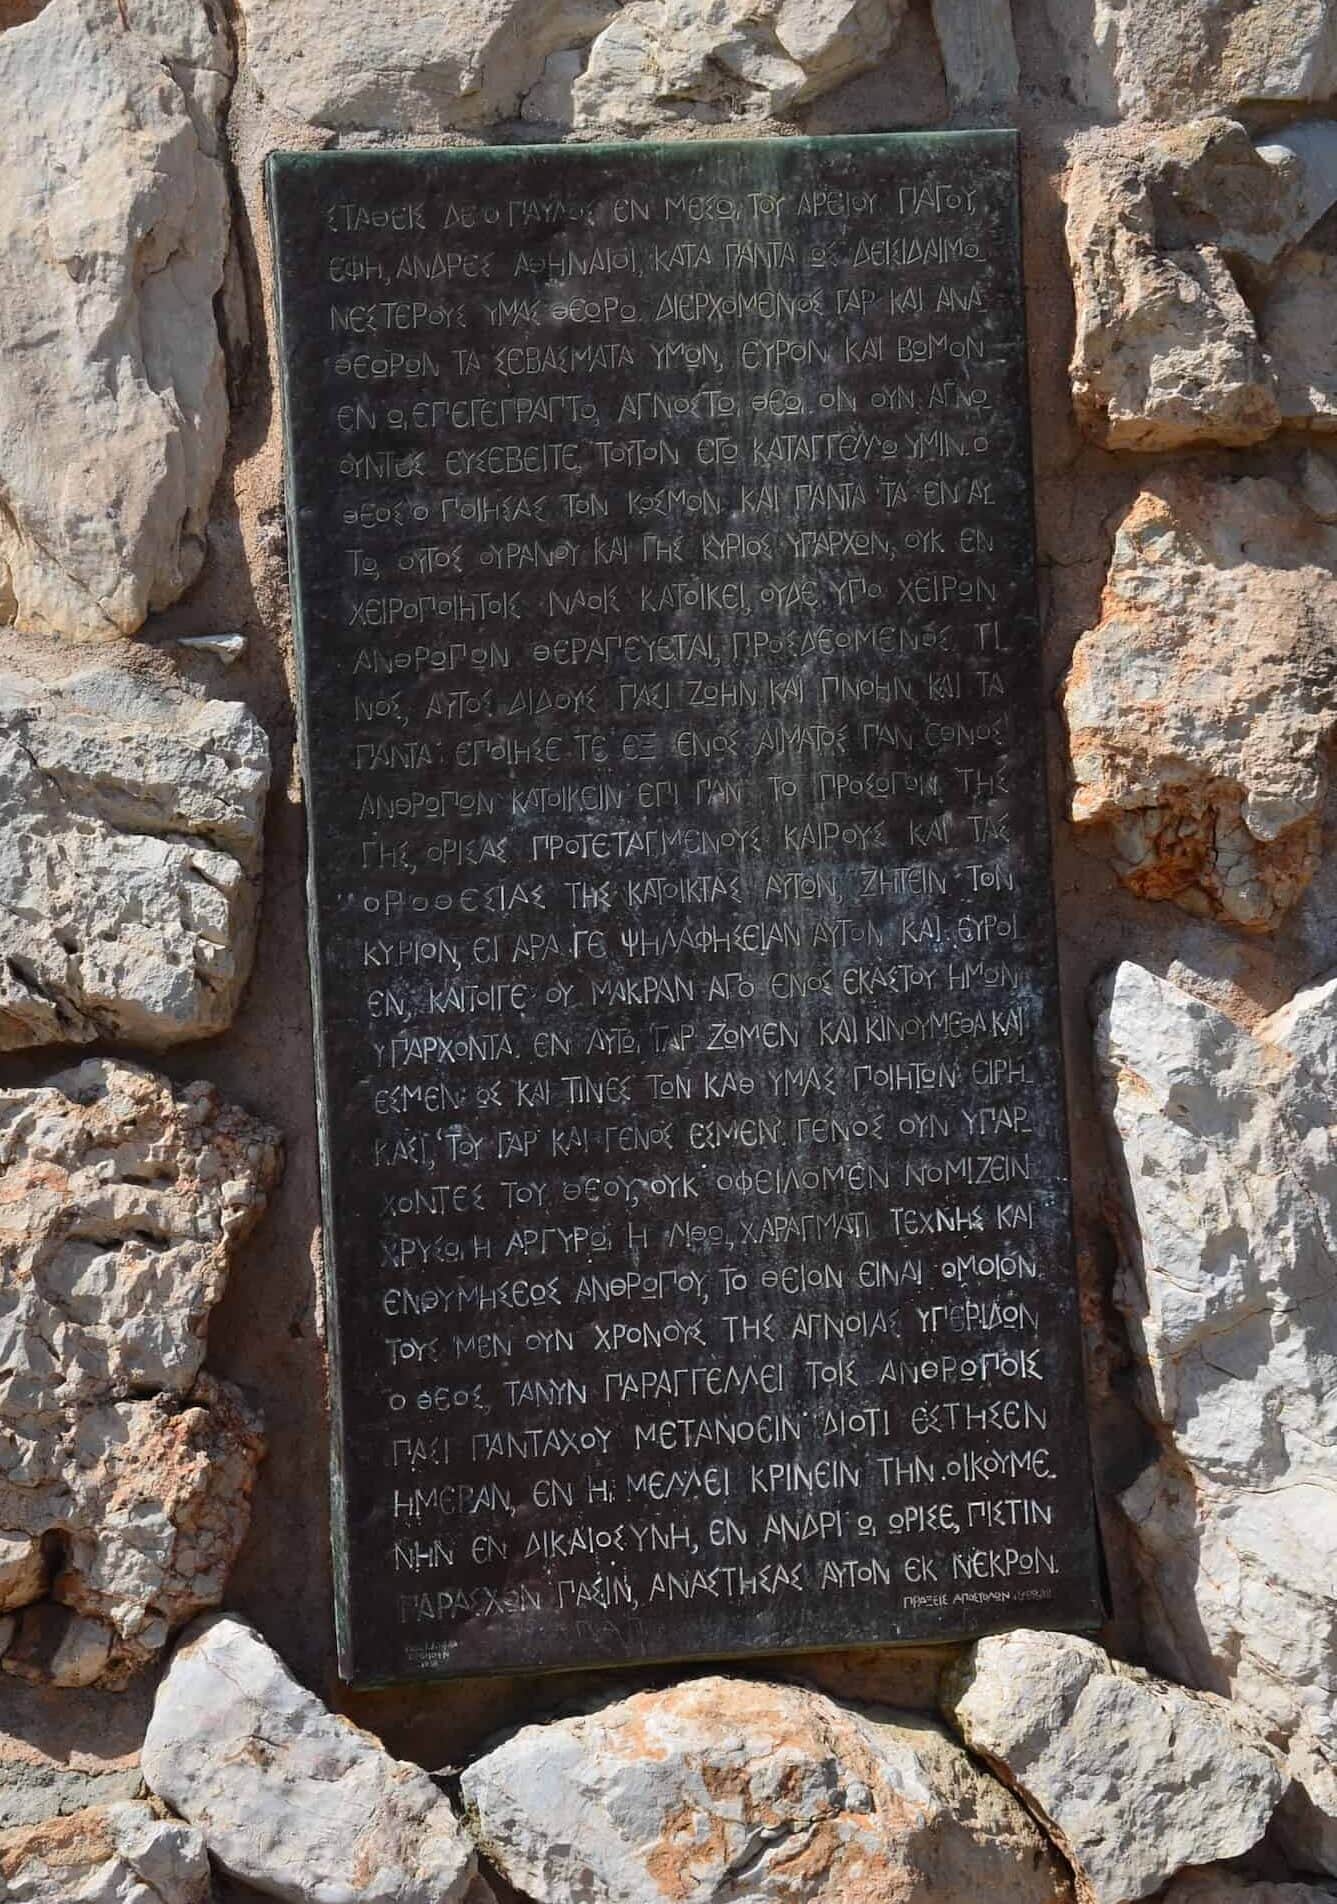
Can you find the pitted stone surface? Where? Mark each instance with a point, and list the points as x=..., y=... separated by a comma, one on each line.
x=1228, y=1887
x=131, y=827
x=1161, y=59
x=289, y=1797
x=1200, y=706
x=115, y=1854
x=125, y=1470
x=1226, y=1142
x=1203, y=283
x=657, y=61
x=409, y=66
x=113, y=230
x=1132, y=1778
x=722, y=1788
x=1166, y=351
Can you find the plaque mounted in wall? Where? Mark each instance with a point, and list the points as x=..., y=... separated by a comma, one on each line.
x=695, y=1177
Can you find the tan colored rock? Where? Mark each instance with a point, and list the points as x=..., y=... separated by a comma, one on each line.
x=1166, y=351
x=1226, y=1142
x=115, y=1854
x=113, y=230
x=125, y=1470
x=409, y=65
x=131, y=829
x=1132, y=1778
x=658, y=59
x=60, y=1755
x=1163, y=59
x=1297, y=326
x=1227, y=1887
x=729, y=1788
x=1199, y=707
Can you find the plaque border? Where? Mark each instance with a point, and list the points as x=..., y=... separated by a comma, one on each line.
x=279, y=164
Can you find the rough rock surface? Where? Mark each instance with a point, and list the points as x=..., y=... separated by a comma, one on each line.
x=113, y=231
x=658, y=60
x=1161, y=59
x=728, y=1788
x=1199, y=707
x=125, y=1470
x=289, y=1797
x=1227, y=1146
x=413, y=67
x=1296, y=329
x=409, y=65
x=1166, y=351
x=1226, y=1887
x=60, y=1755
x=979, y=53
x=1132, y=1778
x=117, y=1854
x=131, y=826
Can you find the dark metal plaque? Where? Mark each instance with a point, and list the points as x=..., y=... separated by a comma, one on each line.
x=695, y=1179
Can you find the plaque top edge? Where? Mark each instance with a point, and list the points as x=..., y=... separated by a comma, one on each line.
x=1004, y=140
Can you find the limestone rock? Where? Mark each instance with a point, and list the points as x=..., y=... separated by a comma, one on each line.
x=1204, y=281
x=409, y=65
x=1161, y=59
x=1226, y=1887
x=289, y=1797
x=979, y=53
x=1296, y=326
x=131, y=825
x=1166, y=350
x=116, y=1854
x=1132, y=1778
x=728, y=1788
x=659, y=58
x=1199, y=707
x=125, y=1470
x=59, y=1755
x=113, y=231
x=1306, y=153
x=1306, y=1825
x=1226, y=1142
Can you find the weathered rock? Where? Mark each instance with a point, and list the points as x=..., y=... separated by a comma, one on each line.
x=113, y=230
x=1306, y=1825
x=60, y=1755
x=1166, y=351
x=1203, y=288
x=979, y=53
x=409, y=65
x=1161, y=59
x=1199, y=707
x=1296, y=327
x=1227, y=1887
x=1226, y=1142
x=1132, y=1778
x=125, y=1470
x=289, y=1797
x=413, y=67
x=131, y=825
x=658, y=59
x=117, y=1854
x=720, y=1787
x=1306, y=153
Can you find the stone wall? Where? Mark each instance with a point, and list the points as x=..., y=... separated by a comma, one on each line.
x=162, y=1417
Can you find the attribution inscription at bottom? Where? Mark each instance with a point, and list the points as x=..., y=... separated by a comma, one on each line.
x=695, y=1177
